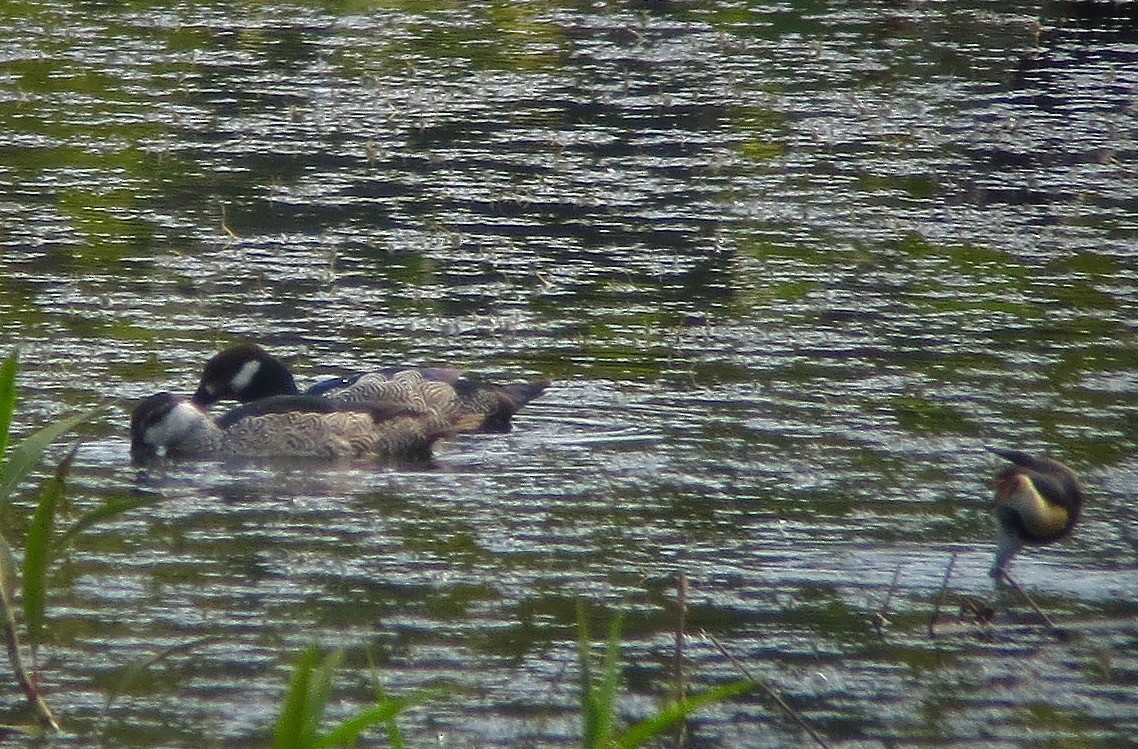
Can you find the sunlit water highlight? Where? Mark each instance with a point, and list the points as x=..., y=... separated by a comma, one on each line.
x=791, y=268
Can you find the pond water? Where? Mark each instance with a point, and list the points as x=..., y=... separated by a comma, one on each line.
x=791, y=266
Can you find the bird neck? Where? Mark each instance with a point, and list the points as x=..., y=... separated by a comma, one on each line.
x=1007, y=547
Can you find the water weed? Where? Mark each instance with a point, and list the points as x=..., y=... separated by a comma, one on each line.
x=302, y=711
x=600, y=691
x=41, y=542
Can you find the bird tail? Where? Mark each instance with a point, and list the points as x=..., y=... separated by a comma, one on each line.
x=432, y=428
x=521, y=393
x=1020, y=458
x=509, y=400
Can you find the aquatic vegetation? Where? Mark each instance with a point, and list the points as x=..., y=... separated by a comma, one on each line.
x=600, y=692
x=918, y=414
x=42, y=543
x=302, y=709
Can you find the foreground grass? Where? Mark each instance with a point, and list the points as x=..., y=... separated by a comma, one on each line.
x=42, y=541
x=302, y=709
x=600, y=695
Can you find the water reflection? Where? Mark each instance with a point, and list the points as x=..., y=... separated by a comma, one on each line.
x=791, y=268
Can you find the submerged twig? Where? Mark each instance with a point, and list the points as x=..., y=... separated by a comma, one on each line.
x=769, y=690
x=136, y=669
x=678, y=664
x=940, y=594
x=225, y=224
x=881, y=618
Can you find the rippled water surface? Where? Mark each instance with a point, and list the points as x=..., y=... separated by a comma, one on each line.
x=791, y=266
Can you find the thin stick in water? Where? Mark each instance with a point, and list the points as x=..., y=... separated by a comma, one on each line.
x=940, y=594
x=678, y=664
x=770, y=692
x=1006, y=577
x=881, y=618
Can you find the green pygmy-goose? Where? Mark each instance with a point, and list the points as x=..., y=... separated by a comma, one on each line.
x=246, y=372
x=287, y=426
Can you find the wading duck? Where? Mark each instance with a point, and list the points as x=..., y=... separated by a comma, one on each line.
x=1038, y=501
x=287, y=426
x=247, y=373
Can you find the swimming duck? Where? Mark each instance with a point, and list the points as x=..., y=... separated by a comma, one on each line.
x=246, y=372
x=1038, y=501
x=287, y=426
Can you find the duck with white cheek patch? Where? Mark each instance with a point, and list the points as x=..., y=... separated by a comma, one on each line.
x=245, y=372
x=288, y=426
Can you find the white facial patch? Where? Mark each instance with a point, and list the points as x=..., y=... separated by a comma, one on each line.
x=245, y=375
x=174, y=426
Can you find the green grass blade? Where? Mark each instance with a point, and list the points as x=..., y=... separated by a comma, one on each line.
x=295, y=710
x=306, y=700
x=349, y=730
x=670, y=715
x=320, y=691
x=111, y=507
x=598, y=701
x=37, y=549
x=606, y=695
x=7, y=397
x=384, y=711
x=585, y=663
x=9, y=578
x=136, y=670
x=26, y=455
x=394, y=735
